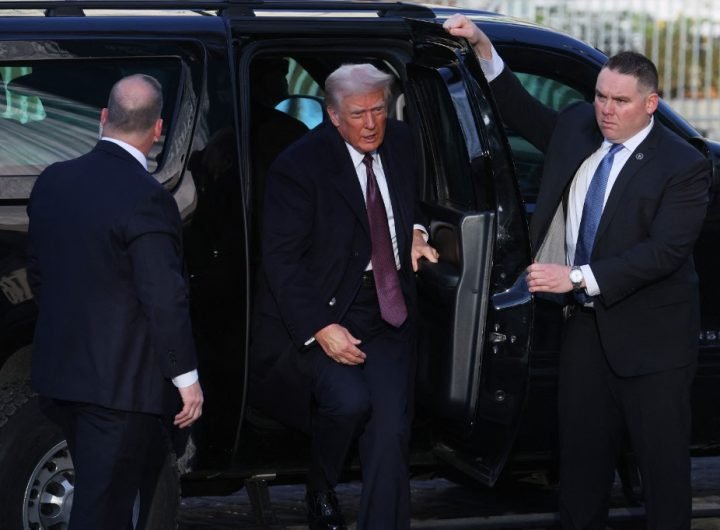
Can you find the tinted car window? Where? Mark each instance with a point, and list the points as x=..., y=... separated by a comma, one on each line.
x=551, y=92
x=447, y=139
x=528, y=159
x=305, y=96
x=51, y=111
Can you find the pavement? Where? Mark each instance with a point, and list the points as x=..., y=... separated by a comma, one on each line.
x=523, y=502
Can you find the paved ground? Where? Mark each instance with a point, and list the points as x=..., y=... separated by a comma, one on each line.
x=438, y=504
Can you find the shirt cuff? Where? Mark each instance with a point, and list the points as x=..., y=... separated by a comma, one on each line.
x=492, y=67
x=591, y=286
x=186, y=379
x=426, y=236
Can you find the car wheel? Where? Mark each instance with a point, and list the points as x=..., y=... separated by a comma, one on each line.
x=37, y=487
x=36, y=490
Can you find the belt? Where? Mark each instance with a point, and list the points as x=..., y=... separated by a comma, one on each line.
x=368, y=279
x=574, y=309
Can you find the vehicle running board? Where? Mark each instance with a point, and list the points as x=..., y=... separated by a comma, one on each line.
x=548, y=520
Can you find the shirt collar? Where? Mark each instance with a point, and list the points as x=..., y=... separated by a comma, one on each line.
x=134, y=151
x=631, y=143
x=357, y=157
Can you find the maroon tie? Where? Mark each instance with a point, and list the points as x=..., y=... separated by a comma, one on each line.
x=387, y=281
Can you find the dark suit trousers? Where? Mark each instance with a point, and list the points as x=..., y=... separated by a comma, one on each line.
x=116, y=455
x=596, y=408
x=370, y=400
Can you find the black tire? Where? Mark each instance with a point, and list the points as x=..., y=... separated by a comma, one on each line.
x=36, y=489
x=34, y=460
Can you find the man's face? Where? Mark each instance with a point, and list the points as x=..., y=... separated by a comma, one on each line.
x=622, y=107
x=360, y=120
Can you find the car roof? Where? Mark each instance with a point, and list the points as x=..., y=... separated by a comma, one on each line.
x=499, y=26
x=211, y=7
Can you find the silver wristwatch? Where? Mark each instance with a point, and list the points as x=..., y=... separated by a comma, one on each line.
x=576, y=278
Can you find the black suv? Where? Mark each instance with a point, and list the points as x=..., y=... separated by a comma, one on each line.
x=486, y=378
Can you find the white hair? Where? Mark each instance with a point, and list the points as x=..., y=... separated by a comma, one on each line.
x=353, y=79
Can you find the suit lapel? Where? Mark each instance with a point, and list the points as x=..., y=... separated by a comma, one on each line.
x=346, y=181
x=641, y=156
x=344, y=177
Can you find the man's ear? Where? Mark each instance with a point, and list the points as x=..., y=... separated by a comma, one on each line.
x=103, y=116
x=652, y=102
x=157, y=129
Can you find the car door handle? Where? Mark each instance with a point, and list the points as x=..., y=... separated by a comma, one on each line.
x=496, y=338
x=517, y=294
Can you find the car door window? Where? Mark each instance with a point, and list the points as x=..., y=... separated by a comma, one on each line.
x=528, y=159
x=450, y=138
x=51, y=112
x=305, y=97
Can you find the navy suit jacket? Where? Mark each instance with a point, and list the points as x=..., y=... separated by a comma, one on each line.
x=316, y=237
x=316, y=246
x=105, y=266
x=648, y=309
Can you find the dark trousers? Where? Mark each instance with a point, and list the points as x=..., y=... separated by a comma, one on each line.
x=370, y=401
x=596, y=407
x=117, y=456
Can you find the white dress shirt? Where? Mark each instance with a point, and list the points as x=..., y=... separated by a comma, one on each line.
x=134, y=151
x=188, y=378
x=578, y=191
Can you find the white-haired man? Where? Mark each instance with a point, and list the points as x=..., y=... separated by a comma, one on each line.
x=335, y=315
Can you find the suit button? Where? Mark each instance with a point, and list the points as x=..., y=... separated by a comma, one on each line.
x=356, y=253
x=332, y=301
x=171, y=355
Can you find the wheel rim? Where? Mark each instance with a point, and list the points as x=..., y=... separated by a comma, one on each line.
x=48, y=496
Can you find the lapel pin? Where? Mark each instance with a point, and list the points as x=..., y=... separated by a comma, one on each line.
x=639, y=156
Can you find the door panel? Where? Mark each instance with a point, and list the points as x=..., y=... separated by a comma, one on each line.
x=475, y=318
x=447, y=289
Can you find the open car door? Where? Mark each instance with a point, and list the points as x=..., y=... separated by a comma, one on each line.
x=476, y=313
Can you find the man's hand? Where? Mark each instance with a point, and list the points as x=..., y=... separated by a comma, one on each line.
x=460, y=26
x=192, y=398
x=339, y=344
x=421, y=249
x=548, y=278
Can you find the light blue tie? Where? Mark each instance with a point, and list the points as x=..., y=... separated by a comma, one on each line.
x=593, y=207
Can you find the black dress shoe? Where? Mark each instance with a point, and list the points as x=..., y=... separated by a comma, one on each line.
x=324, y=511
